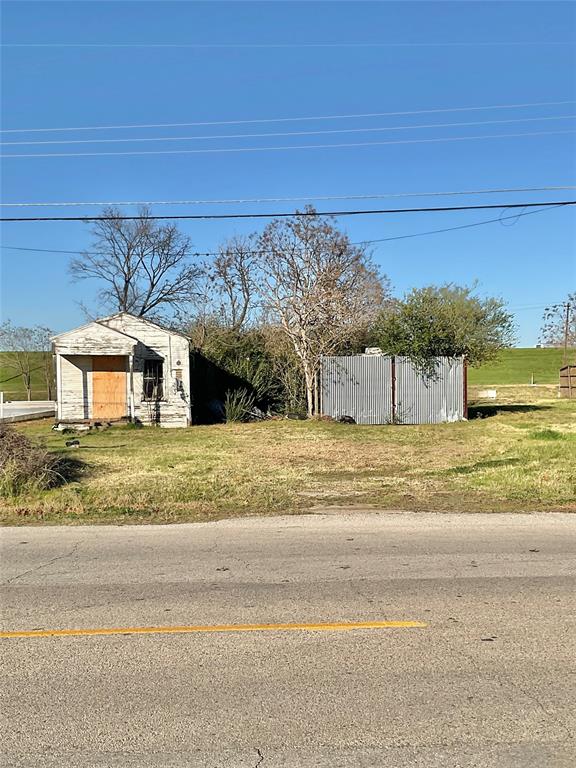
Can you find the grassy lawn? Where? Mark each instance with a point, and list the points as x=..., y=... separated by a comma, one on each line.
x=516, y=366
x=507, y=458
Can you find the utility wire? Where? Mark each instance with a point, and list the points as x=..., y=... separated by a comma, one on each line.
x=526, y=307
x=56, y=250
x=282, y=148
x=378, y=129
x=293, y=214
x=290, y=119
x=234, y=201
x=242, y=46
x=453, y=229
x=361, y=242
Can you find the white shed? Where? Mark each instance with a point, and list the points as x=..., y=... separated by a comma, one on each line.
x=123, y=367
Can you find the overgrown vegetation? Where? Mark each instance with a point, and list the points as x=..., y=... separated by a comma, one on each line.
x=511, y=457
x=274, y=303
x=27, y=467
x=255, y=360
x=238, y=405
x=447, y=320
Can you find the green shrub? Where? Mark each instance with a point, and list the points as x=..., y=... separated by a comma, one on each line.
x=238, y=404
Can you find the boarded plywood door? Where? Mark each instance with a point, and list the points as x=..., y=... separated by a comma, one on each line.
x=109, y=387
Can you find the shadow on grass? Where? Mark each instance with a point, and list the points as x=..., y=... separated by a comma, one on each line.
x=486, y=411
x=101, y=447
x=68, y=469
x=468, y=469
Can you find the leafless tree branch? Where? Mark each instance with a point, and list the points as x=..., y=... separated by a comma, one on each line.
x=141, y=266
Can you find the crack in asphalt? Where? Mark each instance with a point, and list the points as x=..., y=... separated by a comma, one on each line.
x=505, y=679
x=260, y=757
x=63, y=556
x=533, y=697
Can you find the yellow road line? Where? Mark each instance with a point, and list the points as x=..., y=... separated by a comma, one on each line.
x=321, y=627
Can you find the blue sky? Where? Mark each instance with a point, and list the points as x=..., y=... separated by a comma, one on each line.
x=73, y=64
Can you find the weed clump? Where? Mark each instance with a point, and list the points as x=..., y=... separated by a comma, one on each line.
x=27, y=466
x=547, y=434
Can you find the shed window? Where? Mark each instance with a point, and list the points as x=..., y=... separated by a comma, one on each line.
x=153, y=379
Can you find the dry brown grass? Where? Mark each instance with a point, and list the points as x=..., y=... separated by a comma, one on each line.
x=509, y=394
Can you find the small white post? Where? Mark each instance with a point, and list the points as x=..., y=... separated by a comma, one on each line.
x=1, y=405
x=131, y=405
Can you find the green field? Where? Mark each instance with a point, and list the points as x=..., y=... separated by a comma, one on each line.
x=11, y=382
x=12, y=385
x=517, y=366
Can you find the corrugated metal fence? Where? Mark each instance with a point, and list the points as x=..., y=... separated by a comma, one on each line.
x=376, y=389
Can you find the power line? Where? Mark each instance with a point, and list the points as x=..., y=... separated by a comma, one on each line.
x=227, y=150
x=379, y=129
x=234, y=201
x=293, y=214
x=361, y=242
x=243, y=46
x=290, y=119
x=52, y=250
x=453, y=229
x=526, y=307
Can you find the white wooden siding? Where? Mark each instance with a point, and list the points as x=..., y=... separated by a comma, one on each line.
x=94, y=339
x=174, y=409
x=75, y=388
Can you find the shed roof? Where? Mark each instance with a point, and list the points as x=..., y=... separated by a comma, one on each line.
x=94, y=339
x=82, y=329
x=142, y=320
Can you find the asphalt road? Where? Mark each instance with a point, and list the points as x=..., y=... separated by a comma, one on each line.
x=489, y=682
x=22, y=410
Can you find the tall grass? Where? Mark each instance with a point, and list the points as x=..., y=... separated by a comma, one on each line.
x=238, y=404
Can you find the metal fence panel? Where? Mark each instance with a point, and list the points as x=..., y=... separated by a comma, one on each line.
x=430, y=399
x=361, y=386
x=358, y=386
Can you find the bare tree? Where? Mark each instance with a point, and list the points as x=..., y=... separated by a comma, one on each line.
x=559, y=324
x=234, y=277
x=143, y=267
x=321, y=289
x=225, y=296
x=19, y=352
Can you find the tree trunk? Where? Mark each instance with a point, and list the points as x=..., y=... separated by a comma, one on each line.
x=309, y=378
x=47, y=379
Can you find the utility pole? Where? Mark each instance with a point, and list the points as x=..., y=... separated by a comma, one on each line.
x=566, y=326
